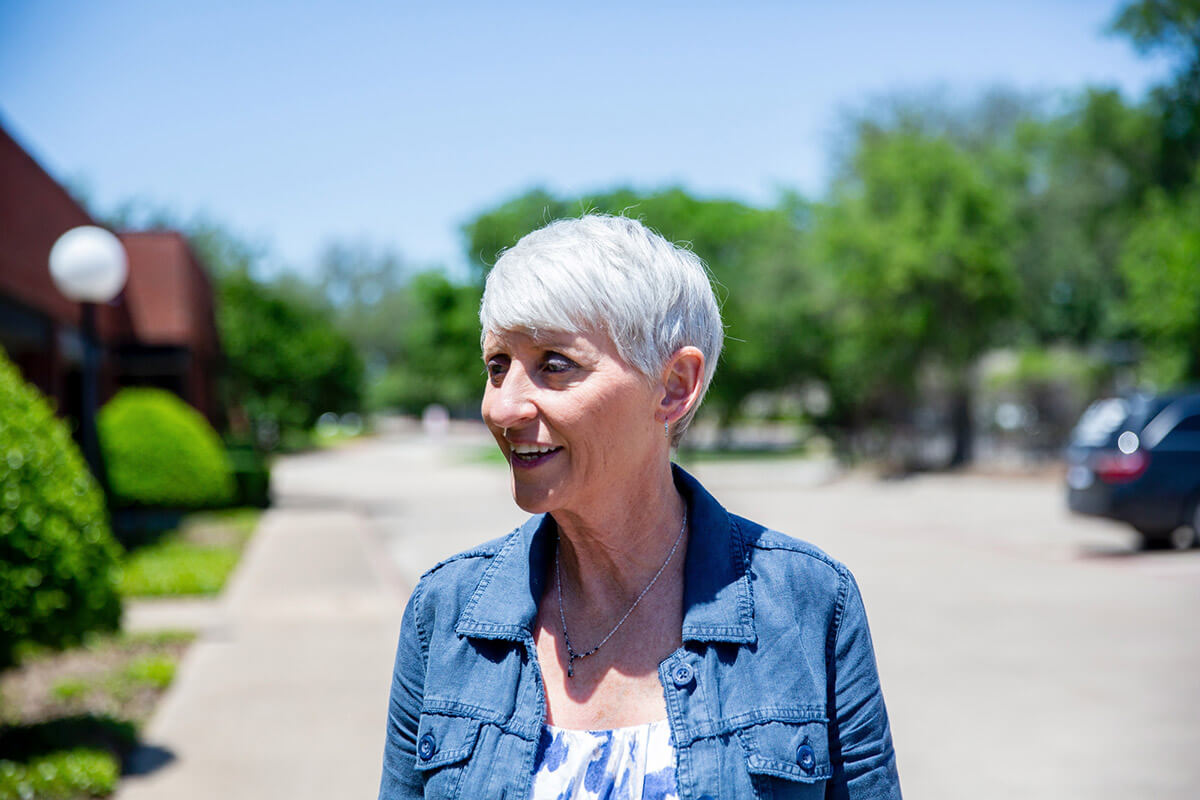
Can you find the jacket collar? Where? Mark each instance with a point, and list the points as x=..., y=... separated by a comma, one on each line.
x=717, y=601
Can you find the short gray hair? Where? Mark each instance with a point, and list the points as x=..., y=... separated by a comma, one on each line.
x=613, y=275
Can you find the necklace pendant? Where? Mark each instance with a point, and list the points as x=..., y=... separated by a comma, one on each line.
x=570, y=666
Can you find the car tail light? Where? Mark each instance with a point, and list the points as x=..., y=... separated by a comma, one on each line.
x=1121, y=467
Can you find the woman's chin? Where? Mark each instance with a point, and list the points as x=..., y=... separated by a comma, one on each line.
x=533, y=497
x=531, y=501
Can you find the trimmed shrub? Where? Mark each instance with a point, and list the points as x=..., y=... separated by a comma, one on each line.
x=57, y=555
x=159, y=451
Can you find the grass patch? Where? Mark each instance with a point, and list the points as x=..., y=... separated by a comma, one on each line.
x=69, y=690
x=118, y=676
x=66, y=775
x=195, y=559
x=176, y=568
x=325, y=439
x=68, y=719
x=153, y=671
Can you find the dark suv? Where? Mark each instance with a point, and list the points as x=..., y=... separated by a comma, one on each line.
x=1137, y=459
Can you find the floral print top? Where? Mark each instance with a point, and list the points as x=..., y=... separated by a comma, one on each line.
x=636, y=763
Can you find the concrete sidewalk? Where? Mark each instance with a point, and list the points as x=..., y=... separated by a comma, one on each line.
x=284, y=693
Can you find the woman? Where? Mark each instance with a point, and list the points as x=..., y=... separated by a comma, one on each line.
x=632, y=639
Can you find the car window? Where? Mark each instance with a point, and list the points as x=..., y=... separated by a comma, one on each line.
x=1188, y=424
x=1184, y=436
x=1100, y=421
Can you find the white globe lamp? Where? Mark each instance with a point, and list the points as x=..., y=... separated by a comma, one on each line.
x=88, y=265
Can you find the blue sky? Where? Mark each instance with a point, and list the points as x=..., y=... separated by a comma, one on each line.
x=393, y=123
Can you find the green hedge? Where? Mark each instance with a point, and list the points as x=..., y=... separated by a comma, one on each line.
x=159, y=451
x=57, y=555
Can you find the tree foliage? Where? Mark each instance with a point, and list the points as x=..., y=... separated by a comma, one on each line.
x=438, y=359
x=1171, y=27
x=286, y=363
x=917, y=239
x=1161, y=267
x=1085, y=172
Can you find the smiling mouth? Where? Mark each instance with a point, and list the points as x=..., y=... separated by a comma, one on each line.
x=530, y=456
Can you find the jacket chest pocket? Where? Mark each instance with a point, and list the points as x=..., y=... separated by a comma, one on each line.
x=787, y=760
x=444, y=747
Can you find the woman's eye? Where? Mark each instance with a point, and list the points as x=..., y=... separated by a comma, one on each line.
x=495, y=368
x=557, y=363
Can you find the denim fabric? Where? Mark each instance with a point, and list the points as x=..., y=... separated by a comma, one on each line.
x=774, y=693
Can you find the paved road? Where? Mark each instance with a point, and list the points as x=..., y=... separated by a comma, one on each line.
x=1024, y=653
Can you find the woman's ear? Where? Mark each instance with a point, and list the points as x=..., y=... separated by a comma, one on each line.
x=683, y=377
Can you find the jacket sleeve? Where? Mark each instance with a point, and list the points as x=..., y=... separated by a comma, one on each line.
x=400, y=779
x=864, y=763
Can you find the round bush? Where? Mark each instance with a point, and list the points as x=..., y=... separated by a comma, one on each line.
x=57, y=555
x=159, y=451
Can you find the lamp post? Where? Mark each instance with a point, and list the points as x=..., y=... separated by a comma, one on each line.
x=89, y=266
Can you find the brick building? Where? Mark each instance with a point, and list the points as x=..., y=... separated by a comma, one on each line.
x=160, y=331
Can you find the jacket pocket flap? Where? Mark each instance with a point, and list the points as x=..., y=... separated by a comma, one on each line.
x=797, y=751
x=443, y=740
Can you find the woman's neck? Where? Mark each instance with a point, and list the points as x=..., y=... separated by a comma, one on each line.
x=609, y=553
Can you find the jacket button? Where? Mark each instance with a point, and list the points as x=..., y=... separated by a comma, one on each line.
x=806, y=758
x=426, y=747
x=682, y=675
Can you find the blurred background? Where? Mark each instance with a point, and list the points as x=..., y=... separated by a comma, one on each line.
x=954, y=243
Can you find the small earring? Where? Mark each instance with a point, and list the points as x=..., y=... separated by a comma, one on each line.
x=667, y=428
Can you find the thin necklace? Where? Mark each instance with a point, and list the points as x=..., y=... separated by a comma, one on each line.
x=572, y=656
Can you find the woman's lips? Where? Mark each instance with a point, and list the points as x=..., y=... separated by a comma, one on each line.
x=530, y=460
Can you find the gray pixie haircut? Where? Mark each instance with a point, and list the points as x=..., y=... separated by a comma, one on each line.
x=611, y=275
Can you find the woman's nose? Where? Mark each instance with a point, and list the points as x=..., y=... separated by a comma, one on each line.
x=511, y=403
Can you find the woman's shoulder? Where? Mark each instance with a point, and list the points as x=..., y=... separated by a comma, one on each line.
x=769, y=549
x=465, y=565
x=456, y=582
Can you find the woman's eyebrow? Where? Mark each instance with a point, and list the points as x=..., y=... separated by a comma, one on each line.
x=558, y=340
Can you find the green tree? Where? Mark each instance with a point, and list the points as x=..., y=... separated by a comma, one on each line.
x=285, y=361
x=438, y=360
x=1161, y=267
x=1085, y=172
x=1171, y=27
x=916, y=236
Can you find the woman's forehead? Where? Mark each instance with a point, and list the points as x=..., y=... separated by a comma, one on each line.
x=581, y=341
x=542, y=337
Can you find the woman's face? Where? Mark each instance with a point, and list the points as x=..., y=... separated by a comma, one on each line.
x=573, y=419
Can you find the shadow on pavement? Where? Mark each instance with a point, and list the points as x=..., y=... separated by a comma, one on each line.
x=147, y=758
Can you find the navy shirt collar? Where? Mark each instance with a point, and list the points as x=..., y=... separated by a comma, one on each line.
x=717, y=601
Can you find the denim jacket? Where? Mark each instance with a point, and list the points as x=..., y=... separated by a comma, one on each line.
x=774, y=693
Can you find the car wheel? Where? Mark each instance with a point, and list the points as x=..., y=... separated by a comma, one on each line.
x=1182, y=538
x=1153, y=538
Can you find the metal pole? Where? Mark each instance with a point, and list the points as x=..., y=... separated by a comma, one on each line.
x=91, y=392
